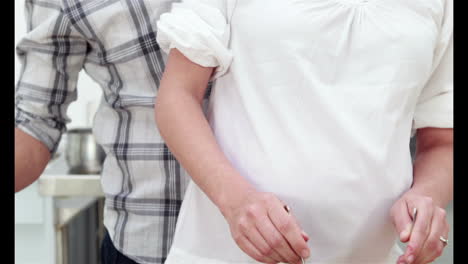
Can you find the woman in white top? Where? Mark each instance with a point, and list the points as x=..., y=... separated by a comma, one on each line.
x=313, y=106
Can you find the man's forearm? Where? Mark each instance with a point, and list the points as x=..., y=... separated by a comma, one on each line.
x=31, y=158
x=433, y=167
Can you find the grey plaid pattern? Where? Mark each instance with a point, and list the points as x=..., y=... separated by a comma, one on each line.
x=114, y=41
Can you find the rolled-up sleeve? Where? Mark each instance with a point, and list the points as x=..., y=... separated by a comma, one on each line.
x=199, y=29
x=435, y=103
x=51, y=56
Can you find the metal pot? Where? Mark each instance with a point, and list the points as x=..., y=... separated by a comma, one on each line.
x=82, y=153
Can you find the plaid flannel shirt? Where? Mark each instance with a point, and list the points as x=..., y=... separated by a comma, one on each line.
x=114, y=41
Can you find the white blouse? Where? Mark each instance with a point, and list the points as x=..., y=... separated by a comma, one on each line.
x=315, y=101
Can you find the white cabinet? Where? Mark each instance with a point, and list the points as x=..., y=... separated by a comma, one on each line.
x=29, y=206
x=34, y=228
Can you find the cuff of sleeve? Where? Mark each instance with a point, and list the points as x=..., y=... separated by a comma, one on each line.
x=38, y=129
x=201, y=40
x=436, y=112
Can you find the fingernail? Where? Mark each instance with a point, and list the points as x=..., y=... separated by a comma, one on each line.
x=410, y=259
x=305, y=253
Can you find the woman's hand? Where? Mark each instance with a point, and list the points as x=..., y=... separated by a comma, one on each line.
x=424, y=243
x=264, y=230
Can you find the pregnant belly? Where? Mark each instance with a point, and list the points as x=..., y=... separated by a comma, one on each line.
x=339, y=234
x=340, y=191
x=344, y=229
x=345, y=210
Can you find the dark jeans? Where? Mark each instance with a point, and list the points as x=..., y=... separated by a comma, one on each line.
x=110, y=255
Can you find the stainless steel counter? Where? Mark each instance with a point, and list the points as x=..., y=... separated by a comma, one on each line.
x=56, y=181
x=71, y=195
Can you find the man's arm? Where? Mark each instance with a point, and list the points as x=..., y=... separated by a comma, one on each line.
x=51, y=55
x=31, y=157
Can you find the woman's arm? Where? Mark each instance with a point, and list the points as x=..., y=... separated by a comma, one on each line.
x=183, y=126
x=431, y=192
x=258, y=222
x=433, y=167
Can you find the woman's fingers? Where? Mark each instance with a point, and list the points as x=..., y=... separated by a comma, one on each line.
x=304, y=235
x=433, y=246
x=425, y=230
x=254, y=235
x=421, y=227
x=264, y=230
x=290, y=230
x=402, y=220
x=276, y=241
x=248, y=247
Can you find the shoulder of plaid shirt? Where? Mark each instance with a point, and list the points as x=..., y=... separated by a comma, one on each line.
x=115, y=42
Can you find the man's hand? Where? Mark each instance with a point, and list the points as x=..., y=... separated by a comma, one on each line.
x=422, y=236
x=31, y=158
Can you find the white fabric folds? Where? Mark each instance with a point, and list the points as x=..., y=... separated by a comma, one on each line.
x=435, y=104
x=200, y=31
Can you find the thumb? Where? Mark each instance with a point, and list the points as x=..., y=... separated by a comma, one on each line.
x=402, y=221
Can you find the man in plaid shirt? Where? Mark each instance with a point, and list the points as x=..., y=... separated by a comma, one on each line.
x=115, y=42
